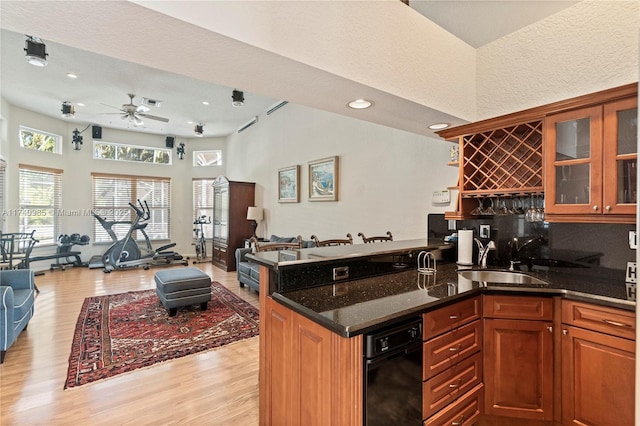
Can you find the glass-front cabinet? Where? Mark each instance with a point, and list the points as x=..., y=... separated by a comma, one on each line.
x=591, y=161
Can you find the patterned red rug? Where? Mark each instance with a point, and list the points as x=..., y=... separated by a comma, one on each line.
x=119, y=333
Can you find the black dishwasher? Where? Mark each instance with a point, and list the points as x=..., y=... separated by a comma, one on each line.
x=393, y=375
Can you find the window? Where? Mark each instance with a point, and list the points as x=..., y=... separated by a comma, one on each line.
x=40, y=141
x=203, y=204
x=112, y=195
x=122, y=152
x=40, y=193
x=207, y=158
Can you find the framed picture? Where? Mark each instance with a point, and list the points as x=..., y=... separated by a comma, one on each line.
x=289, y=184
x=323, y=179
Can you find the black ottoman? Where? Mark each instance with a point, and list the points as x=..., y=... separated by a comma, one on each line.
x=182, y=287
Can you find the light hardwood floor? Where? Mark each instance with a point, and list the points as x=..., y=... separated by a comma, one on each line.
x=218, y=387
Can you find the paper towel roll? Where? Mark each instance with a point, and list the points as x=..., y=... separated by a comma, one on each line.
x=465, y=247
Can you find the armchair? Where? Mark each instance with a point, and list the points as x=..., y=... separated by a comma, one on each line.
x=17, y=299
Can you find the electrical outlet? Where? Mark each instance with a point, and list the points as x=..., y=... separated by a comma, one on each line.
x=631, y=272
x=485, y=231
x=633, y=240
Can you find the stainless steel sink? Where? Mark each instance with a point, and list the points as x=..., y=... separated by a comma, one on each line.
x=502, y=277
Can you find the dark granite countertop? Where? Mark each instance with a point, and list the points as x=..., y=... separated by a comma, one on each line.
x=296, y=257
x=363, y=305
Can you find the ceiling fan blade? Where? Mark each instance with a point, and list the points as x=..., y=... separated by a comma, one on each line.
x=111, y=106
x=154, y=117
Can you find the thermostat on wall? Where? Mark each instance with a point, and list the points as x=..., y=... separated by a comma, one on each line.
x=441, y=196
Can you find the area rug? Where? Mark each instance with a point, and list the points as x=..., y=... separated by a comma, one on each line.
x=122, y=332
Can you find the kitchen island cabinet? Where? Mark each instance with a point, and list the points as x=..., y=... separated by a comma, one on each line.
x=312, y=338
x=308, y=374
x=598, y=365
x=518, y=362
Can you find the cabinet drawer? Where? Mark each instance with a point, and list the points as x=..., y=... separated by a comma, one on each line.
x=452, y=316
x=518, y=307
x=443, y=352
x=616, y=322
x=463, y=412
x=446, y=387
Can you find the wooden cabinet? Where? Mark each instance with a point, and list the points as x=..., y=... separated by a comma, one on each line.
x=308, y=374
x=590, y=161
x=580, y=152
x=452, y=389
x=463, y=412
x=230, y=225
x=518, y=356
x=497, y=162
x=598, y=365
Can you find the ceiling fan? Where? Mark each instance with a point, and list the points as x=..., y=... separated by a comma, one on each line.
x=134, y=113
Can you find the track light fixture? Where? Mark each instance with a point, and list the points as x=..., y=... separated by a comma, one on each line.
x=238, y=98
x=36, y=51
x=68, y=110
x=181, y=150
x=199, y=129
x=76, y=140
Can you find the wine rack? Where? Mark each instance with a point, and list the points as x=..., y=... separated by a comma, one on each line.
x=503, y=161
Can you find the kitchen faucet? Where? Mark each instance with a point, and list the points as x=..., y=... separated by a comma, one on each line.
x=483, y=252
x=516, y=248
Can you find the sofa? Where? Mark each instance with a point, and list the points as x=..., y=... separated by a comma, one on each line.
x=17, y=299
x=249, y=272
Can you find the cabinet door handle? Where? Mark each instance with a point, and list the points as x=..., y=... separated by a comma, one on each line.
x=455, y=385
x=452, y=317
x=608, y=208
x=616, y=323
x=458, y=423
x=595, y=208
x=550, y=328
x=454, y=348
x=565, y=332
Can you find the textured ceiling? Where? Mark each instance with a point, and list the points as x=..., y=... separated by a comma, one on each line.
x=117, y=48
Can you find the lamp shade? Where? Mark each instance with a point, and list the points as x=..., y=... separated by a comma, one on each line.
x=254, y=213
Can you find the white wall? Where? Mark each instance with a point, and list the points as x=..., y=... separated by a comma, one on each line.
x=588, y=47
x=77, y=167
x=386, y=176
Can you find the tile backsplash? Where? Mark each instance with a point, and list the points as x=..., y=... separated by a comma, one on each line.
x=601, y=244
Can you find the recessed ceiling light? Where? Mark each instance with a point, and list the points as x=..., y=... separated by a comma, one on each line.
x=439, y=126
x=360, y=104
x=72, y=75
x=79, y=104
x=189, y=122
x=205, y=103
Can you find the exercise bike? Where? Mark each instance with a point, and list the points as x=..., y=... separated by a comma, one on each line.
x=200, y=240
x=127, y=253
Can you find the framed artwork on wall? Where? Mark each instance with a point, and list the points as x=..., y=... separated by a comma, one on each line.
x=289, y=184
x=323, y=179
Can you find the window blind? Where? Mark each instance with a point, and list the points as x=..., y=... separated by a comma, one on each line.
x=112, y=195
x=203, y=204
x=40, y=192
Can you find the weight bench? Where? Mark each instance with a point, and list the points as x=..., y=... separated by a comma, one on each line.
x=182, y=287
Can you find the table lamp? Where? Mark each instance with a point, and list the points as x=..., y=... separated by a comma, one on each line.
x=254, y=214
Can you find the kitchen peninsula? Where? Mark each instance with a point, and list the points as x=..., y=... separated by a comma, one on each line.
x=319, y=305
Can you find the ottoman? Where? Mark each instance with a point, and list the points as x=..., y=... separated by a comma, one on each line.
x=182, y=287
